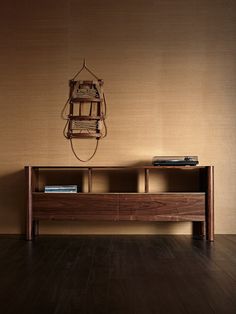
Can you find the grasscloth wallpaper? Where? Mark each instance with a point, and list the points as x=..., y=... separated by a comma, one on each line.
x=169, y=72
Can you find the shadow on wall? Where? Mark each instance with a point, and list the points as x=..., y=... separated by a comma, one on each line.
x=12, y=211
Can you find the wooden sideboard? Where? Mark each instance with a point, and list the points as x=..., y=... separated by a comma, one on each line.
x=135, y=199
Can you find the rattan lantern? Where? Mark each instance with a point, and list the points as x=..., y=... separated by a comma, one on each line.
x=87, y=111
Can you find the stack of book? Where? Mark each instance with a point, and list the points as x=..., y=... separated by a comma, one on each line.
x=61, y=189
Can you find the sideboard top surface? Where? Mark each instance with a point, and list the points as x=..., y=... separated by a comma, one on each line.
x=117, y=167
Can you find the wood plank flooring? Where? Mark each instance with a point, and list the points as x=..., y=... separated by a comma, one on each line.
x=117, y=275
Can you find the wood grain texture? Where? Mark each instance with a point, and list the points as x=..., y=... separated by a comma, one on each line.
x=210, y=204
x=162, y=207
x=119, y=206
x=64, y=206
x=169, y=73
x=144, y=207
x=28, y=201
x=118, y=274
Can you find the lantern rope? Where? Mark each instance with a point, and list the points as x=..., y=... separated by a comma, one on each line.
x=86, y=68
x=105, y=105
x=76, y=155
x=63, y=115
x=64, y=130
x=105, y=128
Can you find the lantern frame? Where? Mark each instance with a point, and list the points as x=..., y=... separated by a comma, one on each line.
x=87, y=110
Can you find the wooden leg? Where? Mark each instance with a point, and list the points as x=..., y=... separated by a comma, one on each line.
x=29, y=229
x=210, y=204
x=198, y=230
x=146, y=180
x=35, y=228
x=89, y=180
x=28, y=194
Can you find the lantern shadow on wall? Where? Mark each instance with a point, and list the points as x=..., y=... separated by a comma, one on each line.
x=85, y=111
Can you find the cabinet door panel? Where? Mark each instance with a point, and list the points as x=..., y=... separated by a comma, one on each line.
x=75, y=206
x=162, y=207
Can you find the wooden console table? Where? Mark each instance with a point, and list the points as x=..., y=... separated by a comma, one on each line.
x=123, y=205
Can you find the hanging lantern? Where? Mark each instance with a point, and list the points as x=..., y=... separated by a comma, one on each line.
x=87, y=110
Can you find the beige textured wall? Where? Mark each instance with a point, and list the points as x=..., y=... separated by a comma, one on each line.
x=169, y=71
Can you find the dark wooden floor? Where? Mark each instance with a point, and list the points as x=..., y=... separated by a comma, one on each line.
x=117, y=274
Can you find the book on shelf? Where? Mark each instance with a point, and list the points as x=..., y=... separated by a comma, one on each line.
x=61, y=189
